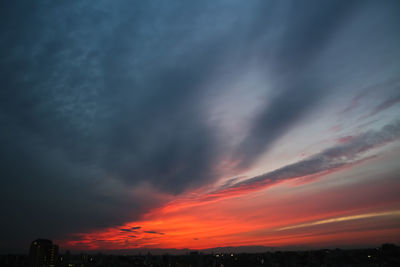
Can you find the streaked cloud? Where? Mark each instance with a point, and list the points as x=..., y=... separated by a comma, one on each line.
x=395, y=213
x=331, y=159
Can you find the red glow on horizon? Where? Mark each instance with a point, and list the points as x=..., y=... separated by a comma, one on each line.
x=317, y=210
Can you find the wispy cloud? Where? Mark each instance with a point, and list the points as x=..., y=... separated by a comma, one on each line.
x=154, y=232
x=395, y=213
x=329, y=159
x=385, y=105
x=126, y=230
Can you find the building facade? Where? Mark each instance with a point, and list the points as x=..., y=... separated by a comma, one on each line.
x=43, y=253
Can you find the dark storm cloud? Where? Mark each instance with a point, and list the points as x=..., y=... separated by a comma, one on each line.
x=99, y=101
x=96, y=100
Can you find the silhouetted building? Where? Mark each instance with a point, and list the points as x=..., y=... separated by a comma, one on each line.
x=43, y=253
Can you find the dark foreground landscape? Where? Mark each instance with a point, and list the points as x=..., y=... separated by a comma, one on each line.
x=386, y=255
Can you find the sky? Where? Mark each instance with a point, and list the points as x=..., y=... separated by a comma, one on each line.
x=199, y=124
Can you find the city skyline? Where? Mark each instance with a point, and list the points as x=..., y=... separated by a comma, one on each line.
x=177, y=125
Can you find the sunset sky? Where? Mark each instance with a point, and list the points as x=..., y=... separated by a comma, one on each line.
x=199, y=124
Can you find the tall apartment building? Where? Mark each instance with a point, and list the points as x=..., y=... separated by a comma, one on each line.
x=43, y=253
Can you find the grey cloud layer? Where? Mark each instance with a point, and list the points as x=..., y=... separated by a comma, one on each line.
x=97, y=99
